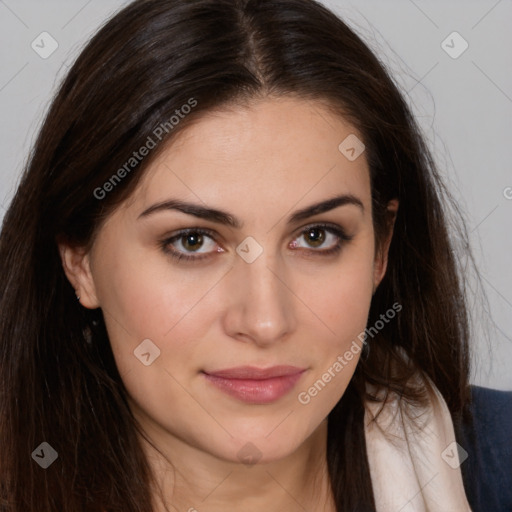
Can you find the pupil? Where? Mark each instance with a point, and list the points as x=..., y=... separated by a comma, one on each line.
x=316, y=236
x=193, y=239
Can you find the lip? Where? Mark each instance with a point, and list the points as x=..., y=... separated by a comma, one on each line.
x=256, y=385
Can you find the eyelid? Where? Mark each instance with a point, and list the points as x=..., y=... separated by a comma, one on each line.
x=325, y=225
x=334, y=229
x=182, y=256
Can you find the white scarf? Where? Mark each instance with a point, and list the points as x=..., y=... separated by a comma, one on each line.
x=414, y=469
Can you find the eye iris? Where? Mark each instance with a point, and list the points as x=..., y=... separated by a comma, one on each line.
x=192, y=239
x=315, y=236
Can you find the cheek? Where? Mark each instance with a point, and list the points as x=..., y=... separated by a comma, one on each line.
x=342, y=297
x=143, y=296
x=149, y=300
x=341, y=300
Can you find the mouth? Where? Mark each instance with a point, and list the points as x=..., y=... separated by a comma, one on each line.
x=256, y=385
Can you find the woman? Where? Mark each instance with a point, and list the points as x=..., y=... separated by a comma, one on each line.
x=269, y=312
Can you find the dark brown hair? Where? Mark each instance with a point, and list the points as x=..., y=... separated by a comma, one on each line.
x=58, y=379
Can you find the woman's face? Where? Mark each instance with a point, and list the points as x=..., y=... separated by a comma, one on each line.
x=269, y=282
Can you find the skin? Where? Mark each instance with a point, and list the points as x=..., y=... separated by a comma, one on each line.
x=292, y=305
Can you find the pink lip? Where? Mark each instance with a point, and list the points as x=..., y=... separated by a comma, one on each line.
x=256, y=385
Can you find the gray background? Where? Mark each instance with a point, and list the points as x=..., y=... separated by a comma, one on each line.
x=463, y=104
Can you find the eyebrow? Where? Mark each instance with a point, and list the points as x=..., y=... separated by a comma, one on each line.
x=222, y=217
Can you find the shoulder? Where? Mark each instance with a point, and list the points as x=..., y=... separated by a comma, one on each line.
x=487, y=471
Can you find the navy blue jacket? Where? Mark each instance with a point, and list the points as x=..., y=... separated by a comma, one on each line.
x=487, y=472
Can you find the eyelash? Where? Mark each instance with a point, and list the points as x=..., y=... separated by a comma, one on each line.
x=177, y=255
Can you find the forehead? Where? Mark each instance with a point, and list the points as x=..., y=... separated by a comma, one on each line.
x=282, y=152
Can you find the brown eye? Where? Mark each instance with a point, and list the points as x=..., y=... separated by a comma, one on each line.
x=315, y=236
x=321, y=239
x=192, y=241
x=191, y=244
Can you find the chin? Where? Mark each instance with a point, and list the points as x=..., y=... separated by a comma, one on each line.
x=252, y=450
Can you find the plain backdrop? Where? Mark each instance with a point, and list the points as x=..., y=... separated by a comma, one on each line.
x=452, y=60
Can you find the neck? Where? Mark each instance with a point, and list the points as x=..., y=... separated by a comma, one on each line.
x=188, y=479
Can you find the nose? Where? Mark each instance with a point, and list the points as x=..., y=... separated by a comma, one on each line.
x=260, y=307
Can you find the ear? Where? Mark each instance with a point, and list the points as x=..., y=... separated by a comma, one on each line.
x=381, y=256
x=77, y=267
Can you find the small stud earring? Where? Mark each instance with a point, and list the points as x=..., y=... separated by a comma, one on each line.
x=77, y=296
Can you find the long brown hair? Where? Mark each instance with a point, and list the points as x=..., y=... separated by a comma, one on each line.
x=58, y=379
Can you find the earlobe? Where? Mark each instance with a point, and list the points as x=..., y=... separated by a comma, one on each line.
x=381, y=257
x=76, y=265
